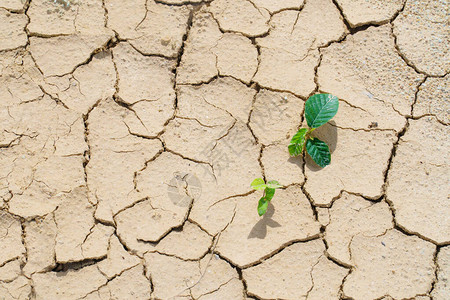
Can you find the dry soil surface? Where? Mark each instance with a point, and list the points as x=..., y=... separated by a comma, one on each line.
x=130, y=132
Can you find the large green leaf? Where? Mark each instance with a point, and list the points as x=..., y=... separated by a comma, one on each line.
x=319, y=152
x=297, y=142
x=273, y=184
x=320, y=108
x=258, y=184
x=269, y=194
x=262, y=206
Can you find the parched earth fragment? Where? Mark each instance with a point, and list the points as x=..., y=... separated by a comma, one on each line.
x=352, y=216
x=323, y=215
x=422, y=35
x=300, y=271
x=205, y=114
x=61, y=55
x=51, y=156
x=13, y=5
x=418, y=184
x=145, y=83
x=366, y=71
x=217, y=273
x=151, y=116
x=10, y=270
x=189, y=243
x=51, y=18
x=130, y=284
x=215, y=215
x=362, y=12
x=166, y=182
x=280, y=166
x=351, y=154
x=178, y=276
x=442, y=286
x=376, y=115
x=236, y=57
x=36, y=200
x=289, y=54
x=87, y=85
x=275, y=116
x=11, y=246
x=150, y=27
x=250, y=238
x=241, y=16
x=287, y=72
x=124, y=16
x=327, y=279
x=19, y=80
x=65, y=36
x=190, y=278
x=5, y=194
x=194, y=140
x=75, y=211
x=117, y=260
x=433, y=99
x=318, y=23
x=72, y=284
x=113, y=151
x=180, y=2
x=274, y=6
x=40, y=238
x=18, y=289
x=198, y=63
x=391, y=264
x=198, y=181
x=414, y=298
x=13, y=33
x=143, y=77
x=193, y=105
x=97, y=241
x=228, y=95
x=235, y=163
x=232, y=290
x=162, y=30
x=148, y=223
x=49, y=171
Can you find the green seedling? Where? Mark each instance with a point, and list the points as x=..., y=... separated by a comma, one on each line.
x=269, y=190
x=319, y=109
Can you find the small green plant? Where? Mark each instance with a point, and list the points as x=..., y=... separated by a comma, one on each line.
x=319, y=109
x=269, y=190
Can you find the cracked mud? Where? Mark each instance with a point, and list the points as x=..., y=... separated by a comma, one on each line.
x=131, y=130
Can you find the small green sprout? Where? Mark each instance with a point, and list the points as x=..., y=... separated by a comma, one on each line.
x=319, y=109
x=269, y=190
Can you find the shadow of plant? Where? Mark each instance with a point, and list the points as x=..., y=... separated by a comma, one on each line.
x=259, y=231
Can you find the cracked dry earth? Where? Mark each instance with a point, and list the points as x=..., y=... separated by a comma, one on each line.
x=130, y=132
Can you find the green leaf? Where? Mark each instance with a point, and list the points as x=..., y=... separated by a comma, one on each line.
x=258, y=184
x=320, y=108
x=297, y=142
x=319, y=152
x=273, y=184
x=269, y=194
x=262, y=206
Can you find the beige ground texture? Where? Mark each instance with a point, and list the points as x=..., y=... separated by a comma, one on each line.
x=130, y=132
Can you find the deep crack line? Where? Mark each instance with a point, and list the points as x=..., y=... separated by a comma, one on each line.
x=403, y=56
